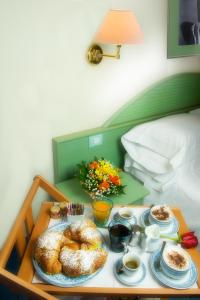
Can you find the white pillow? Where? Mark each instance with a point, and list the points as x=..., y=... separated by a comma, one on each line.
x=148, y=159
x=130, y=164
x=148, y=181
x=164, y=144
x=195, y=111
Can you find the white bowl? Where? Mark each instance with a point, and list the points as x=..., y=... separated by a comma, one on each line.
x=156, y=219
x=175, y=261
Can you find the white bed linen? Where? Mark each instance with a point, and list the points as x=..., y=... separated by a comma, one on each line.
x=184, y=193
x=150, y=160
x=195, y=111
x=159, y=182
x=162, y=178
x=148, y=181
x=188, y=180
x=164, y=143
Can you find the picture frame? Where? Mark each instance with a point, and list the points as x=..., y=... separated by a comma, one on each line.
x=177, y=46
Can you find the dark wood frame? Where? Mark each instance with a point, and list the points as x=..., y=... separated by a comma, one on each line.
x=173, y=47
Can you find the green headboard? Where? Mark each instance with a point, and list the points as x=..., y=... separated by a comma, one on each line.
x=175, y=94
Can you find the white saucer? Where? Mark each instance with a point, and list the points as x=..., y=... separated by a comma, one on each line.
x=171, y=229
x=134, y=280
x=132, y=221
x=183, y=283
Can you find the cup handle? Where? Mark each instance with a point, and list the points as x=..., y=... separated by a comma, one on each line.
x=120, y=270
x=126, y=248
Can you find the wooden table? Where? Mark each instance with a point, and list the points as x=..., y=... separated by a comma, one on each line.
x=26, y=271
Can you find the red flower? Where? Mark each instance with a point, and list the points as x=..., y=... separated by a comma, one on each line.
x=93, y=165
x=115, y=180
x=189, y=240
x=104, y=185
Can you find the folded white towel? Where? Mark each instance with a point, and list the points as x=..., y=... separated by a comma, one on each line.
x=159, y=183
x=161, y=178
x=150, y=182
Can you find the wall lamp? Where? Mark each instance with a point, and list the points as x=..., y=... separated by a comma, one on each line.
x=119, y=27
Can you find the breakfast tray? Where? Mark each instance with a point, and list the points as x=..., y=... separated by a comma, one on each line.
x=107, y=276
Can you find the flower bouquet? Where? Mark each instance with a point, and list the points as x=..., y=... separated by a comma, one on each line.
x=100, y=178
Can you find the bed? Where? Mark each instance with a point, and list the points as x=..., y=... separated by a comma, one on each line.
x=176, y=94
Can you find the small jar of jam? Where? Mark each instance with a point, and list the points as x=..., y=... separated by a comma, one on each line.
x=63, y=208
x=55, y=212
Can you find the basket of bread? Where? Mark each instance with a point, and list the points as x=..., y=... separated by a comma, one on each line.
x=69, y=254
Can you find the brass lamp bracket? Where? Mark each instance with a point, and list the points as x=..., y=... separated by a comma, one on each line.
x=95, y=54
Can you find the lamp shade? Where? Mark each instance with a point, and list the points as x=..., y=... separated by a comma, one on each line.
x=119, y=27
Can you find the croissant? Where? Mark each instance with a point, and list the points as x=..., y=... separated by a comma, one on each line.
x=47, y=251
x=48, y=259
x=81, y=262
x=72, y=244
x=51, y=240
x=76, y=227
x=84, y=232
x=90, y=236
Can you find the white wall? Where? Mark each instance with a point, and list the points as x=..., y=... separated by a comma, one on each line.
x=49, y=89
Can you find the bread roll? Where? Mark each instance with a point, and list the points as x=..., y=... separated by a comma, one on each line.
x=81, y=262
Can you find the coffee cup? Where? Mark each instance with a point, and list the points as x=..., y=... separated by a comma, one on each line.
x=131, y=263
x=175, y=261
x=125, y=213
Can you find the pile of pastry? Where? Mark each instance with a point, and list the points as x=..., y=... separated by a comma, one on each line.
x=75, y=251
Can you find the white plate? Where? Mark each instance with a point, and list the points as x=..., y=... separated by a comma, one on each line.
x=183, y=283
x=61, y=279
x=134, y=280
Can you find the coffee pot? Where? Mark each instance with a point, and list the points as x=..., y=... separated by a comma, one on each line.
x=120, y=233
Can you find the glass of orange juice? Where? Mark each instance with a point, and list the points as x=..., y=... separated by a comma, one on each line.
x=101, y=210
